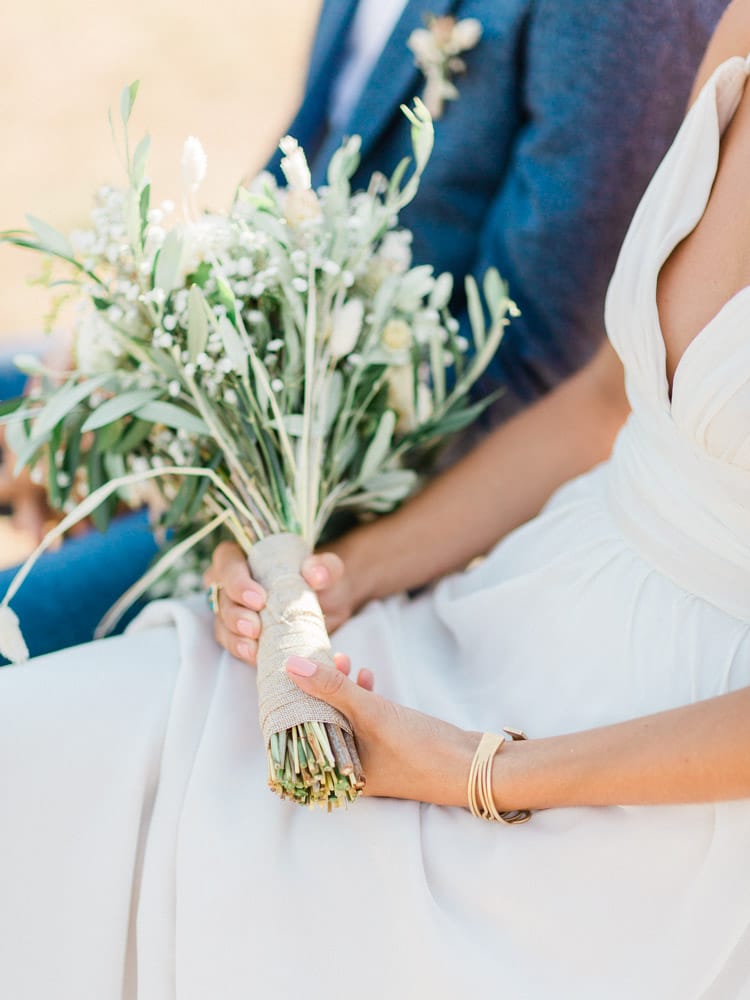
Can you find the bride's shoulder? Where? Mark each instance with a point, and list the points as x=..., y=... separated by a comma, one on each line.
x=731, y=38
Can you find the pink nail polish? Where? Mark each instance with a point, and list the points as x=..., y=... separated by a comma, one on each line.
x=300, y=666
x=253, y=600
x=247, y=628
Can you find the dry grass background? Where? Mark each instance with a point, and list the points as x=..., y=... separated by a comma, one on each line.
x=228, y=73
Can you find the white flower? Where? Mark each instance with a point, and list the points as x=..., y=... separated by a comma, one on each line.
x=466, y=35
x=396, y=335
x=424, y=402
x=346, y=328
x=211, y=236
x=436, y=51
x=424, y=47
x=194, y=162
x=401, y=396
x=96, y=347
x=301, y=206
x=395, y=249
x=294, y=165
x=12, y=644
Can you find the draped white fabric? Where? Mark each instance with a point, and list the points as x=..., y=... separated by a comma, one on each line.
x=142, y=856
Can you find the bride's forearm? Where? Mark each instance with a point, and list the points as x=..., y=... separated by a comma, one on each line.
x=699, y=753
x=500, y=485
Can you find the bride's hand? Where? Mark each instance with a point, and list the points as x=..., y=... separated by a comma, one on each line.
x=237, y=621
x=405, y=754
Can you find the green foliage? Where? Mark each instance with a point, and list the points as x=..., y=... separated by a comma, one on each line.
x=278, y=367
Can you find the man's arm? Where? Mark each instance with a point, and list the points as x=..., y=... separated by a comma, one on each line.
x=604, y=87
x=501, y=484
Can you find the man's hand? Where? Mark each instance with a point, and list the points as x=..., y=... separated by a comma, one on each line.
x=237, y=623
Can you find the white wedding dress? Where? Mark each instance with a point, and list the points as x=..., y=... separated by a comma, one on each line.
x=141, y=854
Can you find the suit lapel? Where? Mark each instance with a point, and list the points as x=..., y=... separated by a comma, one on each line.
x=395, y=78
x=309, y=124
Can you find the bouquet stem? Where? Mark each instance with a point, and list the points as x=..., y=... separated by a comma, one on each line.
x=312, y=755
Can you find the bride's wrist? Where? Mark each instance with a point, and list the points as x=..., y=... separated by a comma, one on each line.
x=450, y=763
x=509, y=789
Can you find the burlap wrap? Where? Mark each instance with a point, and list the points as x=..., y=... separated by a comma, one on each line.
x=292, y=623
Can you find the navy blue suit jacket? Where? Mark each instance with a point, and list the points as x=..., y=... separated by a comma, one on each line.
x=565, y=109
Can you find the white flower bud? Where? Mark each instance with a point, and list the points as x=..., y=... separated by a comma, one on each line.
x=301, y=206
x=465, y=35
x=347, y=326
x=401, y=396
x=423, y=45
x=194, y=162
x=294, y=165
x=396, y=335
x=12, y=644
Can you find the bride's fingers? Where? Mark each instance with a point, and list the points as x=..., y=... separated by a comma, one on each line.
x=333, y=687
x=229, y=569
x=237, y=618
x=342, y=662
x=366, y=679
x=238, y=645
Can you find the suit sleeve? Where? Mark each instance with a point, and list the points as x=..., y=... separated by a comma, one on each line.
x=604, y=88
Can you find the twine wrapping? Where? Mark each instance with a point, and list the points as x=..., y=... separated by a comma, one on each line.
x=292, y=622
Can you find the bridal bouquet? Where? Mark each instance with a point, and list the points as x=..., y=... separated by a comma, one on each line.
x=260, y=373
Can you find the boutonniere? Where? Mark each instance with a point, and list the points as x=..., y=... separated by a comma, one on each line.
x=437, y=52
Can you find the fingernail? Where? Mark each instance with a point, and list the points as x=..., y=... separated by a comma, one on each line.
x=300, y=666
x=244, y=627
x=244, y=650
x=253, y=599
x=319, y=576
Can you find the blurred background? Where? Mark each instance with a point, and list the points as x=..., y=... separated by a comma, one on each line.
x=230, y=74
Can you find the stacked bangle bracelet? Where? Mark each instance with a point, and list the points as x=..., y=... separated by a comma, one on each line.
x=481, y=801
